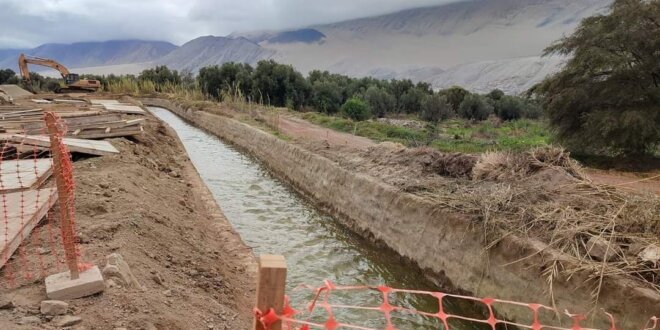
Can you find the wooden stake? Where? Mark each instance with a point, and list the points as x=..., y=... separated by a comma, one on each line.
x=270, y=287
x=64, y=198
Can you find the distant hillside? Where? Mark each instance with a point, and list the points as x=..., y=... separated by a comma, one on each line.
x=84, y=54
x=211, y=50
x=445, y=42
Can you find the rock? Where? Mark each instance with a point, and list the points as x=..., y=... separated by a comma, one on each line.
x=104, y=185
x=54, y=307
x=42, y=250
x=651, y=254
x=117, y=269
x=107, y=194
x=174, y=174
x=599, y=248
x=167, y=293
x=68, y=320
x=6, y=304
x=158, y=279
x=29, y=320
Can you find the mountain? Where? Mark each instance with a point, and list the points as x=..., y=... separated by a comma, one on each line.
x=83, y=54
x=478, y=44
x=460, y=41
x=211, y=50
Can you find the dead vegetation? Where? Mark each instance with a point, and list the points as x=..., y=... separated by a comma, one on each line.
x=543, y=194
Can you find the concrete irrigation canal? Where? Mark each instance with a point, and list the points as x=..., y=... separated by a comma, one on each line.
x=273, y=219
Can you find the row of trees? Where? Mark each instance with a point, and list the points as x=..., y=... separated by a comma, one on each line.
x=281, y=85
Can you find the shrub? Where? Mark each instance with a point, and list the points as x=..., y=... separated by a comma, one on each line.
x=435, y=108
x=356, y=109
x=510, y=108
x=475, y=107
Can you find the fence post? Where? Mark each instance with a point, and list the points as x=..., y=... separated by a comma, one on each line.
x=270, y=287
x=64, y=196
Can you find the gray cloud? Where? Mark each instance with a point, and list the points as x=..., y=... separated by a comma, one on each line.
x=28, y=23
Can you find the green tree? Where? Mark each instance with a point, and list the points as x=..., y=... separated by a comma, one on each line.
x=397, y=89
x=7, y=76
x=455, y=96
x=509, y=107
x=326, y=96
x=606, y=100
x=160, y=75
x=279, y=85
x=435, y=108
x=379, y=100
x=411, y=101
x=356, y=109
x=475, y=107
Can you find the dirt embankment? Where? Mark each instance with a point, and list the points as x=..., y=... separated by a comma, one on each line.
x=149, y=204
x=394, y=195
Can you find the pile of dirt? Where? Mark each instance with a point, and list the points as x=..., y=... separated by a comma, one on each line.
x=149, y=205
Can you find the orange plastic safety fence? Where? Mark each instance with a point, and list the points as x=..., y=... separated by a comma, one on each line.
x=302, y=320
x=29, y=244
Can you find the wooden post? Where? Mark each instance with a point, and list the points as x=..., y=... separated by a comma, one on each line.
x=64, y=197
x=270, y=287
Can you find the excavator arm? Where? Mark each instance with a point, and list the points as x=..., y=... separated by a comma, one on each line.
x=23, y=62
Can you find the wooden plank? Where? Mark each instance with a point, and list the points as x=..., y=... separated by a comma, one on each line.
x=17, y=175
x=21, y=212
x=103, y=134
x=41, y=101
x=67, y=101
x=270, y=287
x=124, y=108
x=103, y=102
x=75, y=122
x=92, y=147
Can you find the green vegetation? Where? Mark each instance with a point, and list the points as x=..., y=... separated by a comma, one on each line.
x=455, y=135
x=607, y=98
x=355, y=109
x=8, y=76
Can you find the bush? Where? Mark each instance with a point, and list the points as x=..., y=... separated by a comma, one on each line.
x=455, y=96
x=356, y=109
x=7, y=76
x=510, y=108
x=435, y=108
x=379, y=100
x=475, y=107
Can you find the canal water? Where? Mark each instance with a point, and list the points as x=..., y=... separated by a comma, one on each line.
x=273, y=219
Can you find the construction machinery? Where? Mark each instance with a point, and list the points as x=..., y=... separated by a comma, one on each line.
x=72, y=81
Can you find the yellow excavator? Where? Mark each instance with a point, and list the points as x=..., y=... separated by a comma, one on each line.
x=72, y=81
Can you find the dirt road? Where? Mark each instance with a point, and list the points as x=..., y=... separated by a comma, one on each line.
x=149, y=205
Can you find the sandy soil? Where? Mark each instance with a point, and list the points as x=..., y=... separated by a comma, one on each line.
x=149, y=205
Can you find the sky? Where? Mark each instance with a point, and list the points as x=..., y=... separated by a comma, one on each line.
x=29, y=23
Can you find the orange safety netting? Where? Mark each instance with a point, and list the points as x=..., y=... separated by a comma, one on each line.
x=30, y=206
x=292, y=319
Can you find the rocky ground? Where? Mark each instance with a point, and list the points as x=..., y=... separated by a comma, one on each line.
x=190, y=270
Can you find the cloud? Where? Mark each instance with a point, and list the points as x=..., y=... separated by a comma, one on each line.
x=30, y=23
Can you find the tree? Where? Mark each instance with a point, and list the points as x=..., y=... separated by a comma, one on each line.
x=411, y=101
x=606, y=99
x=326, y=96
x=379, y=100
x=279, y=85
x=160, y=75
x=229, y=78
x=7, y=76
x=455, y=96
x=475, y=107
x=435, y=108
x=397, y=89
x=509, y=107
x=356, y=109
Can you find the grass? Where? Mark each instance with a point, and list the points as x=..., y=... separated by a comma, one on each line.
x=455, y=135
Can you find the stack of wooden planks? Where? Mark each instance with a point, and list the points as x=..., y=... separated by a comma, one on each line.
x=99, y=126
x=42, y=142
